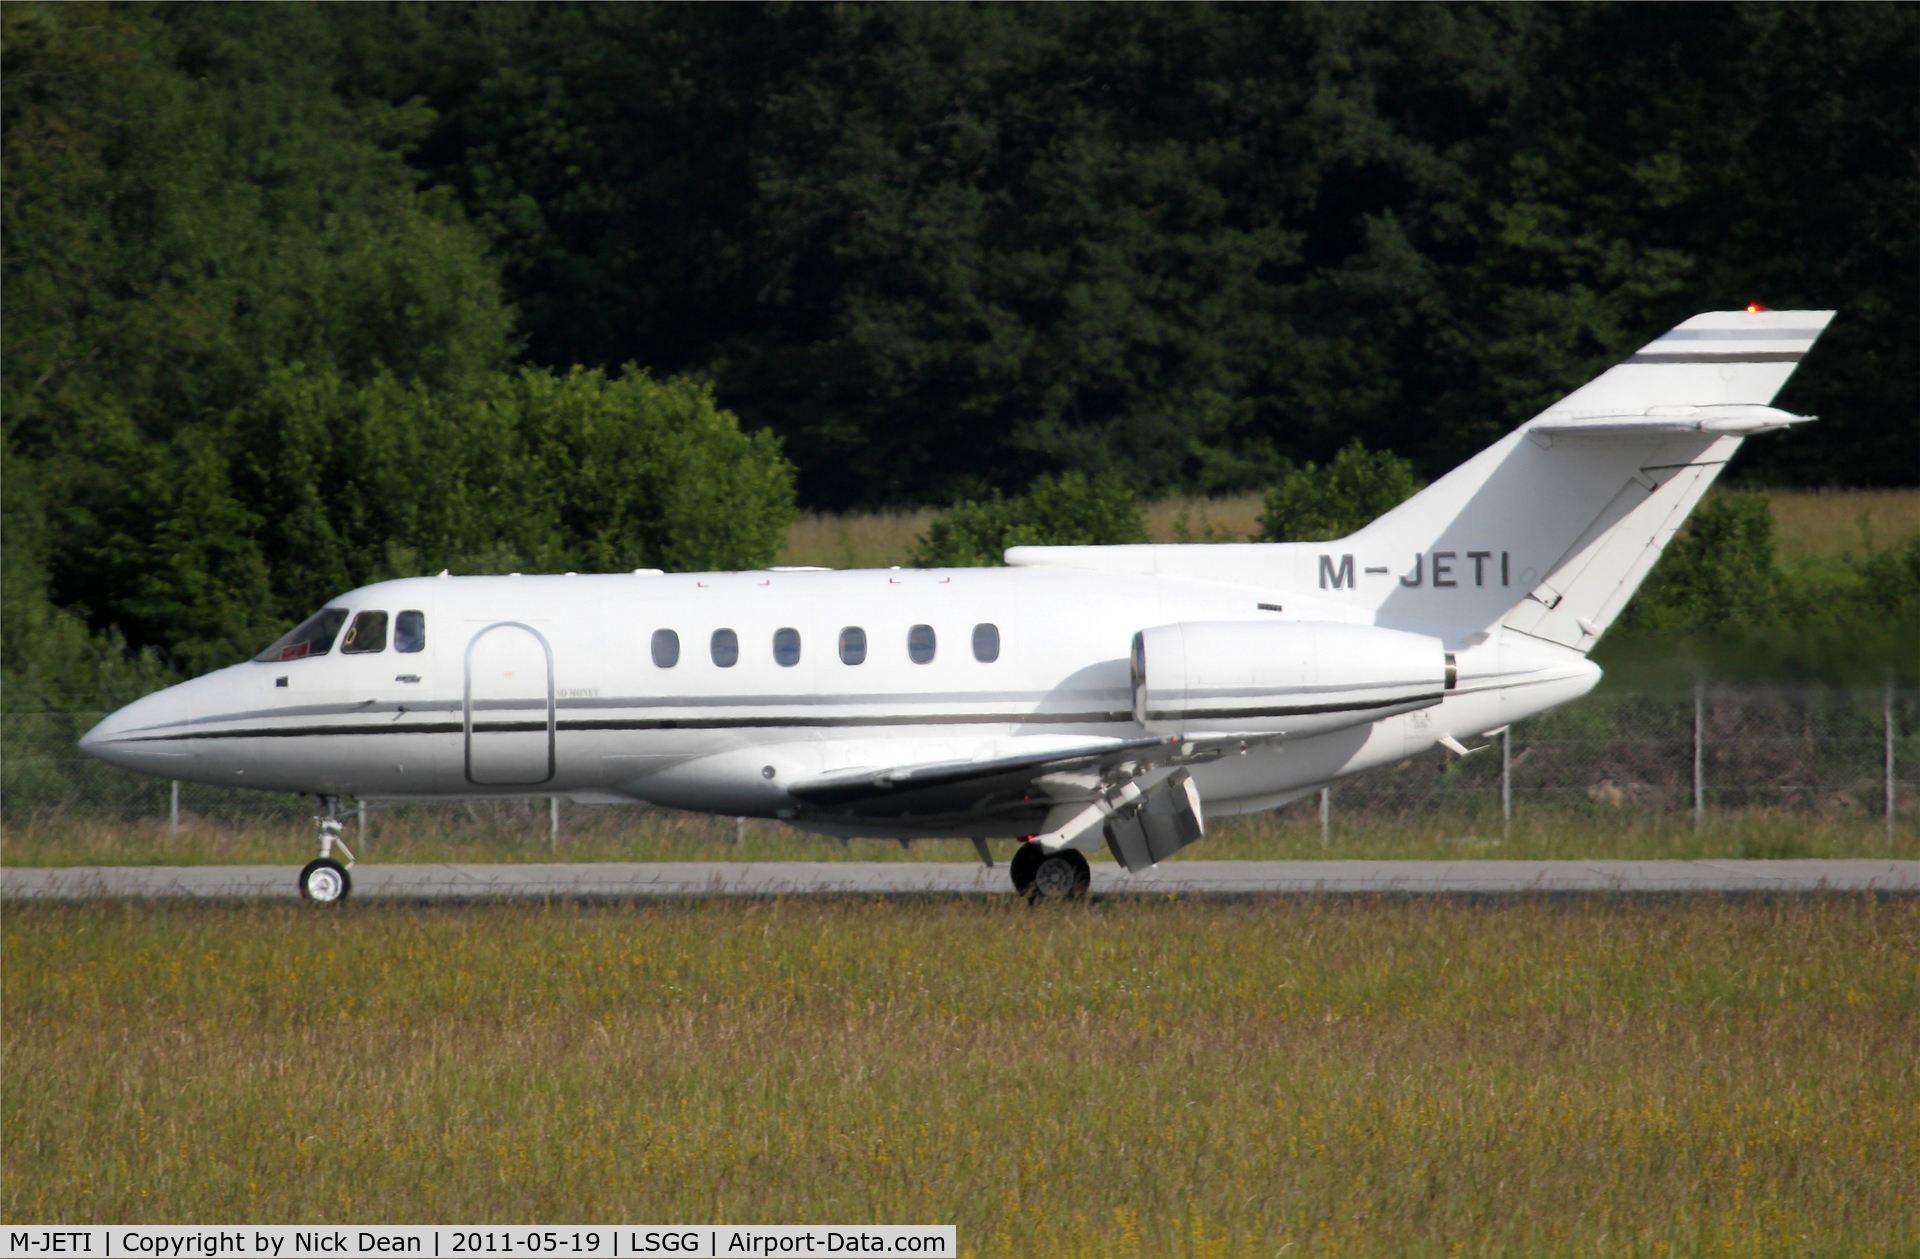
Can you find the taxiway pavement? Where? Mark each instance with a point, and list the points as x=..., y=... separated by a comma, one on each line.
x=642, y=880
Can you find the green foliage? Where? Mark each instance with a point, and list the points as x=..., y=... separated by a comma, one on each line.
x=316, y=485
x=1067, y=510
x=50, y=659
x=1719, y=603
x=1188, y=241
x=249, y=364
x=1315, y=504
x=1889, y=583
x=187, y=207
x=188, y=204
x=261, y=267
x=1719, y=572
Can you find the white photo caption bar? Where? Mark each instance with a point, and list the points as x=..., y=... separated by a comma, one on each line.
x=609, y=1241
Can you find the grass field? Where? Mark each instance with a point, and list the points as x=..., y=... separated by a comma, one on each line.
x=1825, y=524
x=1292, y=1076
x=517, y=832
x=1809, y=524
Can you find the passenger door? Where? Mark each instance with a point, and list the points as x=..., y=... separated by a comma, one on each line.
x=509, y=712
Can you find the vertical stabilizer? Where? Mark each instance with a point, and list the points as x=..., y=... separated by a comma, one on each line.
x=1580, y=501
x=1551, y=529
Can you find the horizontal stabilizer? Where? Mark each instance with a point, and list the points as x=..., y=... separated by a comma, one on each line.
x=1737, y=421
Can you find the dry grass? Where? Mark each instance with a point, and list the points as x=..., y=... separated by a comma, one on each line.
x=1826, y=524
x=515, y=832
x=857, y=539
x=883, y=539
x=1231, y=519
x=1295, y=1076
x=1812, y=524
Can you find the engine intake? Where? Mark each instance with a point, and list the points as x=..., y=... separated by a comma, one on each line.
x=1281, y=677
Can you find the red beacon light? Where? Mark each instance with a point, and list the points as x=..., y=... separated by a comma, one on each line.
x=1754, y=308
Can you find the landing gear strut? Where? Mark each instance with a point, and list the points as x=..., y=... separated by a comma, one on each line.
x=1042, y=875
x=324, y=879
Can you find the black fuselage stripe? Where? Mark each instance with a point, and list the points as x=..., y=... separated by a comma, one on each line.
x=1304, y=710
x=775, y=723
x=365, y=708
x=651, y=723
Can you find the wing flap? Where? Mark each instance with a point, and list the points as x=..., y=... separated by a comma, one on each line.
x=908, y=783
x=1024, y=788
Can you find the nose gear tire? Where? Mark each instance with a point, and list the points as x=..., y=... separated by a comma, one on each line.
x=325, y=880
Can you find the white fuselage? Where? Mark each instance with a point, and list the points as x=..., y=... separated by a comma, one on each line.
x=548, y=686
x=1086, y=694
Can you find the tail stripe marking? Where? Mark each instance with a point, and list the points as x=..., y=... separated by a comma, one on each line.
x=1738, y=334
x=1768, y=356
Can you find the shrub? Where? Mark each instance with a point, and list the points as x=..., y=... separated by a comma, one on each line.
x=1068, y=510
x=1718, y=573
x=317, y=485
x=1315, y=504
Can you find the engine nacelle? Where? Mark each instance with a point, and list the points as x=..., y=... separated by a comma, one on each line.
x=1282, y=677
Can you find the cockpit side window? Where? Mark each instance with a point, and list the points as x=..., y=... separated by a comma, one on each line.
x=367, y=635
x=410, y=631
x=312, y=637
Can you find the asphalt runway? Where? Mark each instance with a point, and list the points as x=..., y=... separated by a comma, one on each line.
x=640, y=880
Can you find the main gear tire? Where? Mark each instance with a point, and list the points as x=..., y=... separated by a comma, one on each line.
x=1025, y=858
x=1061, y=876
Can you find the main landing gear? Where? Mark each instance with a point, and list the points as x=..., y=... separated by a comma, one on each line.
x=1052, y=876
x=325, y=879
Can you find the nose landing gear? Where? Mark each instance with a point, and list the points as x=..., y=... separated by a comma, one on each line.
x=323, y=879
x=1041, y=875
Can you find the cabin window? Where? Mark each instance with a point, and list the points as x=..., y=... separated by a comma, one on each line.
x=410, y=631
x=725, y=648
x=853, y=645
x=986, y=642
x=312, y=637
x=366, y=635
x=666, y=648
x=920, y=644
x=786, y=647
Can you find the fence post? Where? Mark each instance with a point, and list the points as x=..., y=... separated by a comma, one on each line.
x=1699, y=758
x=1326, y=816
x=173, y=807
x=360, y=819
x=1889, y=723
x=1506, y=780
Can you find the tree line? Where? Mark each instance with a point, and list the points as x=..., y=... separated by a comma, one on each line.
x=299, y=296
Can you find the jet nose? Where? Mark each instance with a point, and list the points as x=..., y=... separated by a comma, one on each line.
x=149, y=736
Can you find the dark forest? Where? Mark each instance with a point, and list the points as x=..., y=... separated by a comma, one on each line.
x=298, y=297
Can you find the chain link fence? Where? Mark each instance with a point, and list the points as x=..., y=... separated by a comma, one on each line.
x=1827, y=753
x=1834, y=754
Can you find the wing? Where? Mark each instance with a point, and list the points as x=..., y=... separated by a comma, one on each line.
x=1020, y=789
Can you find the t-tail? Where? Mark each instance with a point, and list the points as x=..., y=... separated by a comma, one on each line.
x=1550, y=530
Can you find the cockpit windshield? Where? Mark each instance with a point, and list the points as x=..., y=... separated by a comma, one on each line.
x=312, y=637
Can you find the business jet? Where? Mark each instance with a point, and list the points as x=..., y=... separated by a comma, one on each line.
x=1081, y=697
